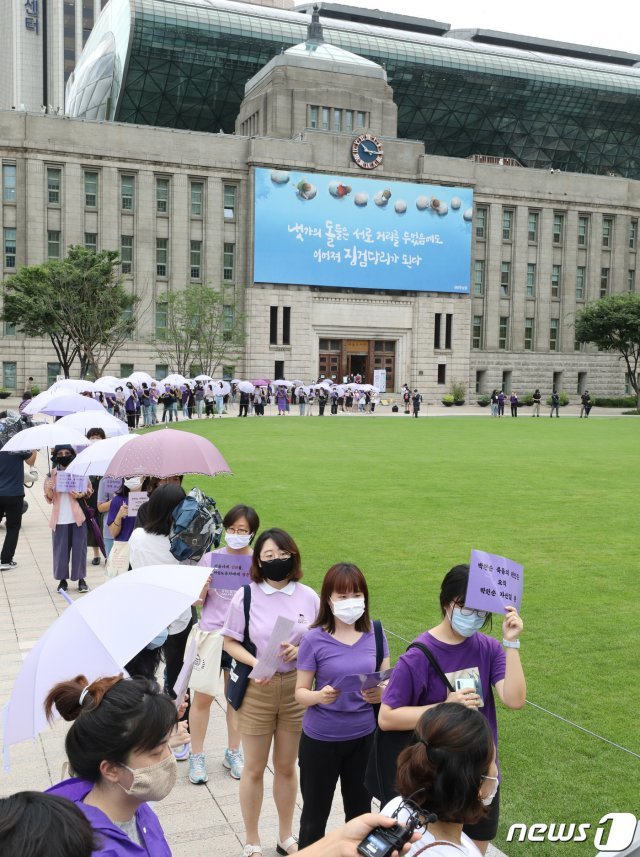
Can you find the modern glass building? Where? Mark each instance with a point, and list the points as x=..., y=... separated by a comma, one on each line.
x=184, y=65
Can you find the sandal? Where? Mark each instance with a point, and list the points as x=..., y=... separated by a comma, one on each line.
x=248, y=850
x=283, y=847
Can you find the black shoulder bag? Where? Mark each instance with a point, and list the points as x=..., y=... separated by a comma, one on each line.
x=239, y=673
x=380, y=775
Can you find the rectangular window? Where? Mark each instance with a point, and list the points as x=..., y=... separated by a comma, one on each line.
x=54, y=180
x=286, y=325
x=197, y=198
x=554, y=326
x=481, y=222
x=53, y=370
x=528, y=334
x=583, y=231
x=531, y=280
x=325, y=118
x=9, y=375
x=9, y=329
x=161, y=321
x=161, y=372
x=362, y=119
x=126, y=315
x=161, y=257
x=348, y=120
x=228, y=321
x=505, y=279
x=162, y=196
x=558, y=228
x=631, y=280
x=313, y=116
x=604, y=282
x=337, y=120
x=442, y=373
x=127, y=191
x=503, y=333
x=8, y=182
x=273, y=325
x=633, y=234
x=533, y=225
x=90, y=190
x=230, y=191
x=278, y=369
x=581, y=273
x=507, y=224
x=481, y=375
x=195, y=260
x=436, y=330
x=476, y=341
x=53, y=244
x=9, y=247
x=126, y=253
x=229, y=263
x=91, y=241
x=478, y=277
x=556, y=276
x=607, y=231
x=448, y=330
x=126, y=369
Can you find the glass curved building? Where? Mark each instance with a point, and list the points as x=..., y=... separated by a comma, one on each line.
x=185, y=64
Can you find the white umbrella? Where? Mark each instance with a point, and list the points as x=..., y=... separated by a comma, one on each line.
x=245, y=387
x=107, y=384
x=90, y=419
x=282, y=383
x=73, y=386
x=138, y=378
x=297, y=382
x=174, y=380
x=94, y=460
x=47, y=434
x=221, y=388
x=70, y=403
x=203, y=378
x=303, y=389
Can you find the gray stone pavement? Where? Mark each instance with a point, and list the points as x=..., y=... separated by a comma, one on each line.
x=198, y=820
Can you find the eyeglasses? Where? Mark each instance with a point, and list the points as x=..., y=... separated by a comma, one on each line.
x=271, y=556
x=238, y=531
x=469, y=611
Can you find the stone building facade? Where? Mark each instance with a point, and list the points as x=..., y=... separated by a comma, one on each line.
x=178, y=205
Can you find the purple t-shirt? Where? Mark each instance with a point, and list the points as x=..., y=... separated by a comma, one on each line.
x=128, y=523
x=415, y=682
x=216, y=601
x=301, y=605
x=349, y=716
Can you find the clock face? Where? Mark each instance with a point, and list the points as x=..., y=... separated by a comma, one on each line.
x=367, y=151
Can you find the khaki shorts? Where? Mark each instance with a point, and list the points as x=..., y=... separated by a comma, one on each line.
x=267, y=707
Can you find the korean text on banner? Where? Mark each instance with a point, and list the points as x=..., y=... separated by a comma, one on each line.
x=495, y=582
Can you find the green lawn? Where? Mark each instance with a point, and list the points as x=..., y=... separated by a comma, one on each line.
x=407, y=499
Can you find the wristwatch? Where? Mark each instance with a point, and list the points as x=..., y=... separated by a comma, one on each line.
x=515, y=644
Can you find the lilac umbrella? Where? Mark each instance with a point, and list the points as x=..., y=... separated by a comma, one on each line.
x=165, y=453
x=86, y=640
x=70, y=403
x=261, y=382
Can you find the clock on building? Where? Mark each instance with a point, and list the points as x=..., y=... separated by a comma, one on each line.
x=367, y=151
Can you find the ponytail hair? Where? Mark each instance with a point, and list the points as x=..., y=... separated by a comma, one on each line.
x=444, y=769
x=111, y=717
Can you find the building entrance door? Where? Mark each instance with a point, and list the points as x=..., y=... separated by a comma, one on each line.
x=357, y=365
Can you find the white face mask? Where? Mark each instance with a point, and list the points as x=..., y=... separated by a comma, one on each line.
x=133, y=484
x=349, y=610
x=488, y=800
x=236, y=541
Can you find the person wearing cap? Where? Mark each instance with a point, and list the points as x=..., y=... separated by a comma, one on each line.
x=68, y=523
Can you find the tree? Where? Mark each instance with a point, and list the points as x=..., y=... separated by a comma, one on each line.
x=79, y=302
x=613, y=324
x=200, y=329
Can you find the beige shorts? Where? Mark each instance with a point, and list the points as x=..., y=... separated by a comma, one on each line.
x=267, y=707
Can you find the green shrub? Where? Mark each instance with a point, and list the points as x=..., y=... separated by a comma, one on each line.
x=35, y=390
x=527, y=399
x=625, y=402
x=631, y=413
x=447, y=399
x=564, y=400
x=457, y=391
x=484, y=400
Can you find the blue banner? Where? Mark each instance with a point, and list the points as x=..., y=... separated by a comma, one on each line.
x=361, y=233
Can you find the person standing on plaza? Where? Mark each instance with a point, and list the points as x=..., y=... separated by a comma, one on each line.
x=537, y=396
x=501, y=400
x=585, y=404
x=406, y=398
x=199, y=394
x=513, y=399
x=322, y=401
x=416, y=399
x=282, y=401
x=245, y=399
x=93, y=435
x=555, y=404
x=337, y=728
x=219, y=399
x=68, y=523
x=12, y=501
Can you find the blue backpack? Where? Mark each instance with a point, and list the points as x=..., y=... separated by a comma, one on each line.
x=196, y=526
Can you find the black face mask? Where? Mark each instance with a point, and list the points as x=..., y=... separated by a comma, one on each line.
x=277, y=569
x=63, y=461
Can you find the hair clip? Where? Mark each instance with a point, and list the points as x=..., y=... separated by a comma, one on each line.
x=82, y=695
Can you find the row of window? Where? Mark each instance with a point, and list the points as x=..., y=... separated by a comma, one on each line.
x=336, y=119
x=127, y=192
x=127, y=253
x=286, y=325
x=477, y=333
x=479, y=280
x=558, y=233
x=162, y=319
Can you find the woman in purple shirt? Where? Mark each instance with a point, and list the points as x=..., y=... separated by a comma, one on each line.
x=473, y=662
x=118, y=748
x=269, y=712
x=337, y=727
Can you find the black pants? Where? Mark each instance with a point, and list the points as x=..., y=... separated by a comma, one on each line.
x=131, y=419
x=322, y=763
x=174, y=657
x=244, y=408
x=321, y=407
x=11, y=508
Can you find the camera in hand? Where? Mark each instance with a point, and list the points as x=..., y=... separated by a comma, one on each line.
x=383, y=841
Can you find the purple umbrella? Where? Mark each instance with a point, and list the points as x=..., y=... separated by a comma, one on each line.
x=261, y=382
x=167, y=453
